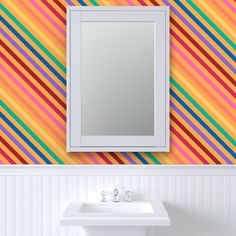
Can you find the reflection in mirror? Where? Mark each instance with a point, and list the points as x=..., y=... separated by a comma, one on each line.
x=117, y=78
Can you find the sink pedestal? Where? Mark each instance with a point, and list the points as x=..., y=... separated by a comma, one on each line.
x=115, y=231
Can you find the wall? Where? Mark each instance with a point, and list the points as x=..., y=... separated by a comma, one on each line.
x=200, y=200
x=33, y=85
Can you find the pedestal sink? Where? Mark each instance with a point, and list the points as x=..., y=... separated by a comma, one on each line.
x=115, y=219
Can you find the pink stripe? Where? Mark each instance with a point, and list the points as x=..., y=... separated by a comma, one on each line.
x=130, y=2
x=92, y=158
x=33, y=99
x=230, y=6
x=185, y=154
x=1, y=162
x=48, y=17
x=203, y=75
x=177, y=62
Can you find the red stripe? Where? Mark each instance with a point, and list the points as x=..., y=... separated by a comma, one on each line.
x=34, y=76
x=194, y=139
x=13, y=151
x=154, y=3
x=104, y=157
x=142, y=2
x=33, y=87
x=203, y=63
x=46, y=3
x=60, y=5
x=116, y=158
x=202, y=50
x=7, y=157
x=187, y=144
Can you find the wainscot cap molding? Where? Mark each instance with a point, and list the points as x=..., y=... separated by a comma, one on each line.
x=118, y=170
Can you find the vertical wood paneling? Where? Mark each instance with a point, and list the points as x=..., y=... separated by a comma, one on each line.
x=197, y=205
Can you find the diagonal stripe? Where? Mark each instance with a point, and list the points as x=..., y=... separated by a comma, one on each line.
x=33, y=99
x=31, y=133
x=152, y=157
x=13, y=151
x=199, y=35
x=62, y=67
x=202, y=123
x=33, y=50
x=27, y=141
x=33, y=62
x=18, y=144
x=140, y=157
x=113, y=154
x=49, y=6
x=48, y=17
x=202, y=50
x=198, y=107
x=7, y=157
x=128, y=157
x=203, y=75
x=33, y=87
x=204, y=64
x=82, y=3
x=201, y=134
x=212, y=24
x=212, y=36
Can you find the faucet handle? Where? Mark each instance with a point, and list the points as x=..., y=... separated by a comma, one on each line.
x=103, y=196
x=128, y=196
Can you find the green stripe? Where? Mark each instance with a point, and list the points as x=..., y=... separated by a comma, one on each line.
x=203, y=112
x=30, y=132
x=94, y=2
x=149, y=154
x=212, y=24
x=45, y=50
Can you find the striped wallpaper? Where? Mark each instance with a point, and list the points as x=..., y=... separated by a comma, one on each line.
x=202, y=81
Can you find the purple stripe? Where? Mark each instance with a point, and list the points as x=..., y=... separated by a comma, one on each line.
x=221, y=154
x=125, y=154
x=69, y=2
x=19, y=145
x=33, y=62
x=200, y=36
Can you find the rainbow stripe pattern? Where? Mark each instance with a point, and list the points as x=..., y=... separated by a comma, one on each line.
x=33, y=84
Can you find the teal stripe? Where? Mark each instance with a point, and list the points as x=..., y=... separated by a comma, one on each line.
x=94, y=2
x=31, y=133
x=212, y=24
x=31, y=36
x=152, y=157
x=203, y=112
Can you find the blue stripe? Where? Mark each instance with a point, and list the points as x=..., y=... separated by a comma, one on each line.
x=140, y=158
x=26, y=139
x=203, y=27
x=82, y=3
x=202, y=123
x=33, y=50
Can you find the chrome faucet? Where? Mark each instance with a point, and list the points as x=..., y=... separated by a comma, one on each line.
x=116, y=195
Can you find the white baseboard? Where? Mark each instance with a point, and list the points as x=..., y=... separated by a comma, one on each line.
x=94, y=170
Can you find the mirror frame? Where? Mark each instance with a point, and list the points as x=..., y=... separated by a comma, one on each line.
x=158, y=15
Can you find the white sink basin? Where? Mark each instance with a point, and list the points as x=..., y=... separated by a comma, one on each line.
x=140, y=214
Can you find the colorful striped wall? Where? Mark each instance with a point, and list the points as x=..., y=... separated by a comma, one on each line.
x=33, y=84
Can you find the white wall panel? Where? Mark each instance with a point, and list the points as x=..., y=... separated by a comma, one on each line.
x=198, y=205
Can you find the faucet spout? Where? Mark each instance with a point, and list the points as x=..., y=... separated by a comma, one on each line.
x=116, y=195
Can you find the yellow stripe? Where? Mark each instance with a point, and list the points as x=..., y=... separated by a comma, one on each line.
x=60, y=54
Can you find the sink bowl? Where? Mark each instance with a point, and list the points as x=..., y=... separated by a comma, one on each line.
x=110, y=214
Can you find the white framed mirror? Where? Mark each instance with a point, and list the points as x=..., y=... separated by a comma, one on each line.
x=117, y=79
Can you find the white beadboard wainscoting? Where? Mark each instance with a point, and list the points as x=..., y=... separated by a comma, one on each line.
x=200, y=200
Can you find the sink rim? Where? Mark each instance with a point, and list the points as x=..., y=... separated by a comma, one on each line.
x=71, y=215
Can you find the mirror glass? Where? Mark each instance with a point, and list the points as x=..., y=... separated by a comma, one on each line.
x=117, y=78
